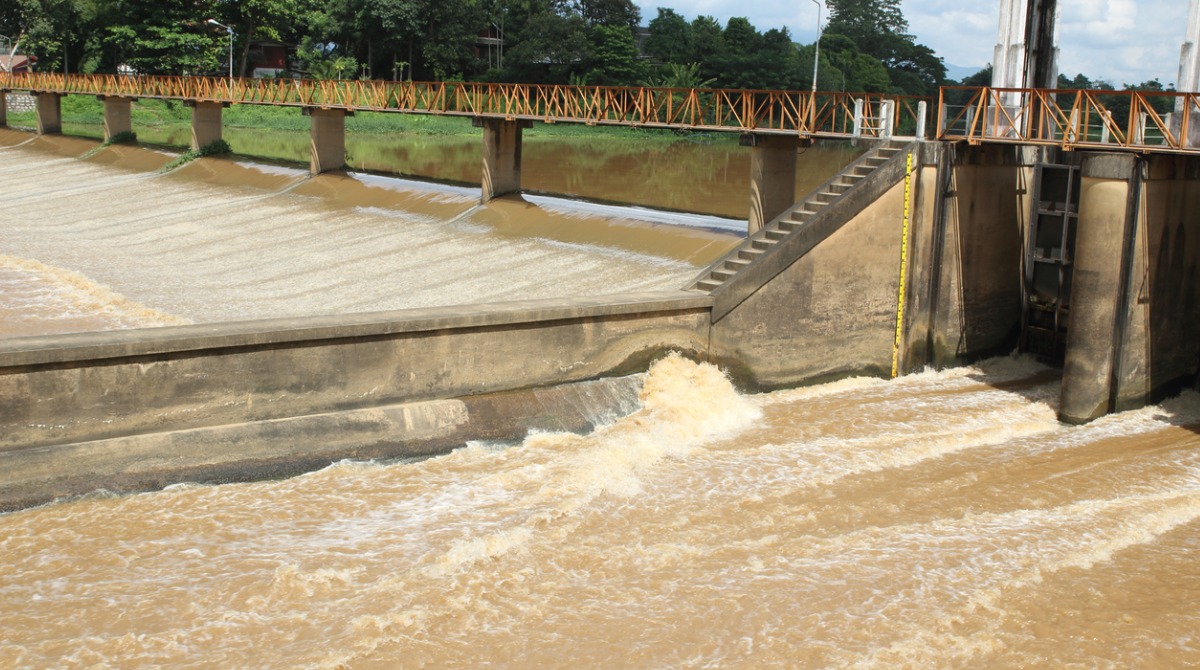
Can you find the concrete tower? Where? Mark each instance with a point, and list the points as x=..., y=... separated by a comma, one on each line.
x=1026, y=55
x=1189, y=55
x=1189, y=77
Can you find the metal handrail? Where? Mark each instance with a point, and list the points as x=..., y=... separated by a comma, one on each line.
x=729, y=110
x=1070, y=118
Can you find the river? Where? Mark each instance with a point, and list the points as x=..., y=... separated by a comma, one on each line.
x=941, y=520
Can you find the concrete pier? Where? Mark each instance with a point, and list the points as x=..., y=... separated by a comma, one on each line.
x=1107, y=205
x=117, y=118
x=327, y=132
x=772, y=177
x=206, y=123
x=501, y=156
x=49, y=113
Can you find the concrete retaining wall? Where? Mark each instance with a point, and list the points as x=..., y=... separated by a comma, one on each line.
x=984, y=205
x=109, y=404
x=20, y=102
x=1160, y=342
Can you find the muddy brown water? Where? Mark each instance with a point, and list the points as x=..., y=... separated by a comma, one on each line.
x=942, y=520
x=700, y=173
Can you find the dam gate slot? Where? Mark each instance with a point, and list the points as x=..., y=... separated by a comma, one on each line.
x=1049, y=256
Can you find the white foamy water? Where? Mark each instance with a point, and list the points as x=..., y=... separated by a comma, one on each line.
x=943, y=520
x=229, y=241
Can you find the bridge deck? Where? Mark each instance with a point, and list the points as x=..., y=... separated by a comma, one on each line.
x=720, y=110
x=1109, y=120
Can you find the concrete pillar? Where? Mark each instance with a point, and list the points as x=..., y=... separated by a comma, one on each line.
x=117, y=118
x=1189, y=79
x=1103, y=248
x=49, y=113
x=501, y=156
x=1160, y=350
x=1025, y=55
x=772, y=177
x=206, y=123
x=327, y=133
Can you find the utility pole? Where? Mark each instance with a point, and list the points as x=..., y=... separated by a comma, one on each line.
x=230, y=31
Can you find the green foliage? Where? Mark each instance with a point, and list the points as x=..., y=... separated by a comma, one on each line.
x=670, y=39
x=866, y=45
x=877, y=28
x=217, y=148
x=674, y=75
x=124, y=137
x=614, y=57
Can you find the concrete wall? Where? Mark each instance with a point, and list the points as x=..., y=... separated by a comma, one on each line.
x=823, y=305
x=1160, y=344
x=105, y=402
x=830, y=311
x=983, y=215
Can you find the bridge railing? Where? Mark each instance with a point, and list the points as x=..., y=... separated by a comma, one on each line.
x=790, y=112
x=1130, y=120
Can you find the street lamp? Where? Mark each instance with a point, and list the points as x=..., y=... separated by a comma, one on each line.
x=230, y=30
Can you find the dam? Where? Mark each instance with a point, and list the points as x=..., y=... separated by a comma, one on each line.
x=936, y=410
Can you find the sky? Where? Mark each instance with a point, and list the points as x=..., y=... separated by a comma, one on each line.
x=1118, y=41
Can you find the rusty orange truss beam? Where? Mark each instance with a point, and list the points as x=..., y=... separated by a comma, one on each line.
x=721, y=110
x=1142, y=121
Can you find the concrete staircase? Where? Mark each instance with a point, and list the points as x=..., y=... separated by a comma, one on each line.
x=795, y=220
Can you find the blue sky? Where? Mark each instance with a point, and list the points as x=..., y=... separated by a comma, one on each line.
x=1121, y=41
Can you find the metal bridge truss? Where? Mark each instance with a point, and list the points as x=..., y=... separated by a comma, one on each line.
x=1114, y=120
x=1072, y=119
x=781, y=112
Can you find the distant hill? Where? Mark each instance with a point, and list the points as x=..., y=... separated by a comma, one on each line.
x=957, y=72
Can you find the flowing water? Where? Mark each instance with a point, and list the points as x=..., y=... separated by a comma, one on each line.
x=95, y=245
x=940, y=520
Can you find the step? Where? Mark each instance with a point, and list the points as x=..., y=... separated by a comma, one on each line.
x=722, y=274
x=749, y=254
x=708, y=284
x=776, y=234
x=788, y=226
x=736, y=263
x=763, y=243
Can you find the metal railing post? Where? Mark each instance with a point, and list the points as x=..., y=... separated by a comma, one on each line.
x=858, y=119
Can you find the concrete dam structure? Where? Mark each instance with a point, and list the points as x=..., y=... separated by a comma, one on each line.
x=917, y=254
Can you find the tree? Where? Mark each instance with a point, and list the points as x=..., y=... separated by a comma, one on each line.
x=614, y=58
x=160, y=36
x=670, y=39
x=708, y=45
x=549, y=42
x=259, y=20
x=878, y=28
x=610, y=13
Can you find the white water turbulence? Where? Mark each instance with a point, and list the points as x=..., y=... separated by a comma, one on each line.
x=941, y=520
